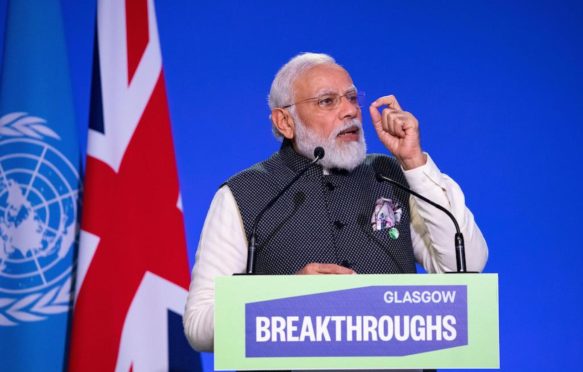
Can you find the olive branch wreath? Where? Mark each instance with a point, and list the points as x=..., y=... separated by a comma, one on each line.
x=35, y=306
x=19, y=124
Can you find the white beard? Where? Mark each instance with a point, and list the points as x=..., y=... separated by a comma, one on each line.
x=338, y=154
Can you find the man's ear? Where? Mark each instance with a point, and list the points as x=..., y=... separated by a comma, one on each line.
x=283, y=122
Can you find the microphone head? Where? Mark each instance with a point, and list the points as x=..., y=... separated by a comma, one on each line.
x=379, y=177
x=319, y=152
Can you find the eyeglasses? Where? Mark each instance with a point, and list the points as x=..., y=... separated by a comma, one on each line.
x=331, y=101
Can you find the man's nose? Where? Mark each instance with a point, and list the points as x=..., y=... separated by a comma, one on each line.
x=347, y=109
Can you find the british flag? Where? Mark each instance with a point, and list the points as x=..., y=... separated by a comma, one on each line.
x=132, y=273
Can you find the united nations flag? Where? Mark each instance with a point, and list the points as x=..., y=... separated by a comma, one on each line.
x=39, y=189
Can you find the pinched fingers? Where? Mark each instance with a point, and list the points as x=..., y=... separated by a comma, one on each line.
x=390, y=120
x=390, y=101
x=397, y=122
x=375, y=114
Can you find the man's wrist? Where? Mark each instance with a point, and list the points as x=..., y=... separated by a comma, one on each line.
x=414, y=162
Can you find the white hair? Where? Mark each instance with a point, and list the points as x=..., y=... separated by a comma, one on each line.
x=339, y=155
x=282, y=91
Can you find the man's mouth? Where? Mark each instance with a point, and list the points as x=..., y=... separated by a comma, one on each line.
x=349, y=134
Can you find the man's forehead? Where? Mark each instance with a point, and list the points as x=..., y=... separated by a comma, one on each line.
x=324, y=78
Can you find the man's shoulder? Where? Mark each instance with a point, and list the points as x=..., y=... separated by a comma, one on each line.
x=381, y=162
x=386, y=165
x=259, y=172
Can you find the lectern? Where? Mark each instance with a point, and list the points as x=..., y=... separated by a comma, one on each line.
x=403, y=321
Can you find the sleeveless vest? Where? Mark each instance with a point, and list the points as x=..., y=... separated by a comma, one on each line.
x=323, y=218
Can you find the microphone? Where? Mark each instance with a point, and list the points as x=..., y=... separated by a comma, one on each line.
x=460, y=250
x=318, y=155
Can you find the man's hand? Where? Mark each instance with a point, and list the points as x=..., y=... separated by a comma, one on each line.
x=324, y=268
x=398, y=130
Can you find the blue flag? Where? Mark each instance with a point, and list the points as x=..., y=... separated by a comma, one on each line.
x=39, y=189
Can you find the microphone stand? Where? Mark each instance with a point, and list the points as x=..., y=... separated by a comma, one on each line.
x=460, y=249
x=318, y=154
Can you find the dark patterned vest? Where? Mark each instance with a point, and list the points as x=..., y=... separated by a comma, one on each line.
x=323, y=218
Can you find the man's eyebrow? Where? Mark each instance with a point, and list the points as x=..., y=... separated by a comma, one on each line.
x=326, y=91
x=352, y=88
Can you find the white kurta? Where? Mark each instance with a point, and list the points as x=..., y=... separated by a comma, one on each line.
x=222, y=249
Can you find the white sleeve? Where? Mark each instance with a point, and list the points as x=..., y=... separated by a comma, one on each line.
x=432, y=232
x=222, y=250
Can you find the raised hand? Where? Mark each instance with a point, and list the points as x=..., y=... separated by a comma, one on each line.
x=398, y=130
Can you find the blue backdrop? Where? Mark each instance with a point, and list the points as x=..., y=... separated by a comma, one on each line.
x=498, y=91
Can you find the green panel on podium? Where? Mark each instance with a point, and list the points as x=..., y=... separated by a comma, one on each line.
x=356, y=322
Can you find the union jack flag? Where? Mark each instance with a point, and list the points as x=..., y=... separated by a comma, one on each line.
x=132, y=274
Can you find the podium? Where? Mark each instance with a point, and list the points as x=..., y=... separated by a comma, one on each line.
x=405, y=321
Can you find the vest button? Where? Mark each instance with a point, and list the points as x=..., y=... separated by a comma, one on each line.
x=329, y=186
x=338, y=224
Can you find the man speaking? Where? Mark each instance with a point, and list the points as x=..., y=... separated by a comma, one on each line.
x=337, y=218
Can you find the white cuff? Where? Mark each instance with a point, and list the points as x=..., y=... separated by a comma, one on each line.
x=425, y=176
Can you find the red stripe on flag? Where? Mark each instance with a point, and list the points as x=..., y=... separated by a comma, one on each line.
x=137, y=33
x=141, y=229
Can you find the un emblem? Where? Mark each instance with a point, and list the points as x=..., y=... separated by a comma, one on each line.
x=39, y=188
